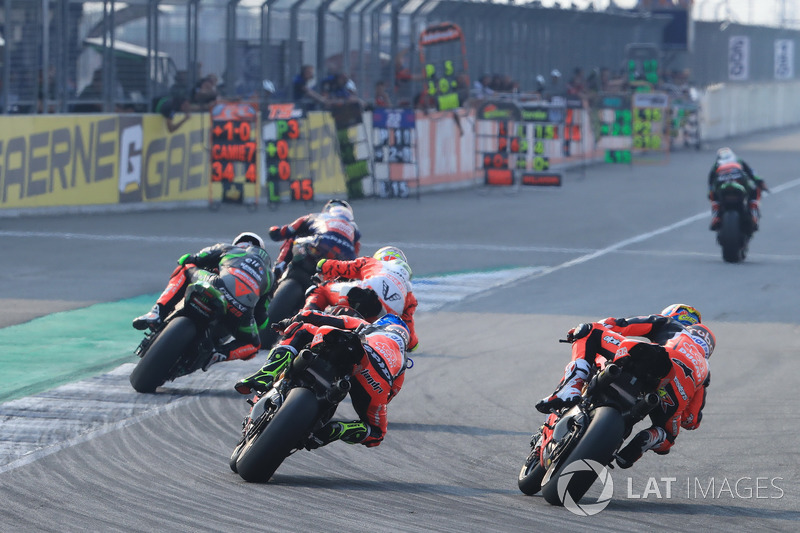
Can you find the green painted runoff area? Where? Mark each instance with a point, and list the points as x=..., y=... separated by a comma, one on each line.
x=68, y=346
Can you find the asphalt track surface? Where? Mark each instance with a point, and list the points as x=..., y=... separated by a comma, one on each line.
x=613, y=241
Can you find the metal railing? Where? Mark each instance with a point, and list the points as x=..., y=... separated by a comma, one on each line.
x=64, y=56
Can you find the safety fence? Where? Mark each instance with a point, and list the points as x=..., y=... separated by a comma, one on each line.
x=108, y=56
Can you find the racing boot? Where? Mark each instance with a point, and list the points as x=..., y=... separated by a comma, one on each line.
x=262, y=380
x=350, y=432
x=216, y=357
x=715, y=220
x=643, y=441
x=149, y=320
x=568, y=392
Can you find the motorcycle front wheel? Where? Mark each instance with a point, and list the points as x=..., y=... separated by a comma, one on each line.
x=264, y=451
x=531, y=474
x=155, y=366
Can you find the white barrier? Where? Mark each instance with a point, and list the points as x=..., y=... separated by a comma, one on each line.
x=736, y=109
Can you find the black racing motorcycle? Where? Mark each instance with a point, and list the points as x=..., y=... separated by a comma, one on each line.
x=304, y=398
x=294, y=275
x=736, y=222
x=185, y=341
x=613, y=401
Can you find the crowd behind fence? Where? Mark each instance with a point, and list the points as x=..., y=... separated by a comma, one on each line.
x=74, y=56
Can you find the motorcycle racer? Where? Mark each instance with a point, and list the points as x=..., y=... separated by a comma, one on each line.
x=377, y=380
x=242, y=271
x=374, y=286
x=729, y=167
x=334, y=233
x=675, y=361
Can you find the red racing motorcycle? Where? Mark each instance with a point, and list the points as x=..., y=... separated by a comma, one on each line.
x=612, y=402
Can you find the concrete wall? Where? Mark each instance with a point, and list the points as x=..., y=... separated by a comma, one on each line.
x=737, y=109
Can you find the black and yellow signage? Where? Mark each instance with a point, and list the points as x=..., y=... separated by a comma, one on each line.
x=649, y=120
x=353, y=146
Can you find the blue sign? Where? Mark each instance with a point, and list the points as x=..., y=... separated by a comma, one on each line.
x=393, y=118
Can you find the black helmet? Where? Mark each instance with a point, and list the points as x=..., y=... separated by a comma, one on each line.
x=250, y=237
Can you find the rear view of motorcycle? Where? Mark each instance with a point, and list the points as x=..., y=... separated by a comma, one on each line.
x=304, y=398
x=185, y=341
x=293, y=281
x=612, y=402
x=736, y=222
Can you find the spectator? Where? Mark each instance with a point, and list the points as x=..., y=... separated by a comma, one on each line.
x=424, y=101
x=266, y=94
x=13, y=98
x=382, y=98
x=577, y=84
x=339, y=88
x=556, y=88
x=302, y=89
x=205, y=93
x=541, y=84
x=506, y=84
x=181, y=85
x=51, y=91
x=462, y=88
x=91, y=95
x=481, y=89
x=169, y=106
x=496, y=83
x=404, y=77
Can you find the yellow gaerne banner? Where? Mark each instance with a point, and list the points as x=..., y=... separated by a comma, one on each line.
x=90, y=160
x=83, y=160
x=325, y=165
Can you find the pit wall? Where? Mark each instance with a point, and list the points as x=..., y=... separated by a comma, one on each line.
x=68, y=162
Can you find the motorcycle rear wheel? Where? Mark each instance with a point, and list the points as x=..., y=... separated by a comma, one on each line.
x=162, y=355
x=601, y=439
x=261, y=456
x=731, y=237
x=288, y=300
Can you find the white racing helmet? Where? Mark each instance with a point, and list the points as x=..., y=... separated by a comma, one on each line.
x=249, y=237
x=725, y=155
